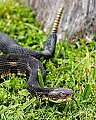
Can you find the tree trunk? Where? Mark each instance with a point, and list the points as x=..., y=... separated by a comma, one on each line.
x=78, y=19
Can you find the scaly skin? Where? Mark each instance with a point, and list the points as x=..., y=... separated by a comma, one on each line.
x=18, y=58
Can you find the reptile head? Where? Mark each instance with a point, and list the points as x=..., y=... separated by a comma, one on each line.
x=54, y=94
x=60, y=94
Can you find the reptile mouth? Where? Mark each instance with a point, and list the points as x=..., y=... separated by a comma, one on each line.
x=68, y=98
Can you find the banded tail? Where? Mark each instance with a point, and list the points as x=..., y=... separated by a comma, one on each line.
x=57, y=20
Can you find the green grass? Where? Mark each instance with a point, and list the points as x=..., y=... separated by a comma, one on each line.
x=73, y=66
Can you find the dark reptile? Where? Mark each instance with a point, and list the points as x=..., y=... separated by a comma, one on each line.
x=17, y=58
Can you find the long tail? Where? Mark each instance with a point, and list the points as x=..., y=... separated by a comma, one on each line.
x=57, y=20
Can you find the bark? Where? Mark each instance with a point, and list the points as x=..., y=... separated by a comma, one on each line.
x=78, y=19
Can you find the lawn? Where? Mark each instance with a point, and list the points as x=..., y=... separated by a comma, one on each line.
x=73, y=66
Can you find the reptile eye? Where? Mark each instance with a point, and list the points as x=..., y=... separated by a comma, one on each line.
x=61, y=94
